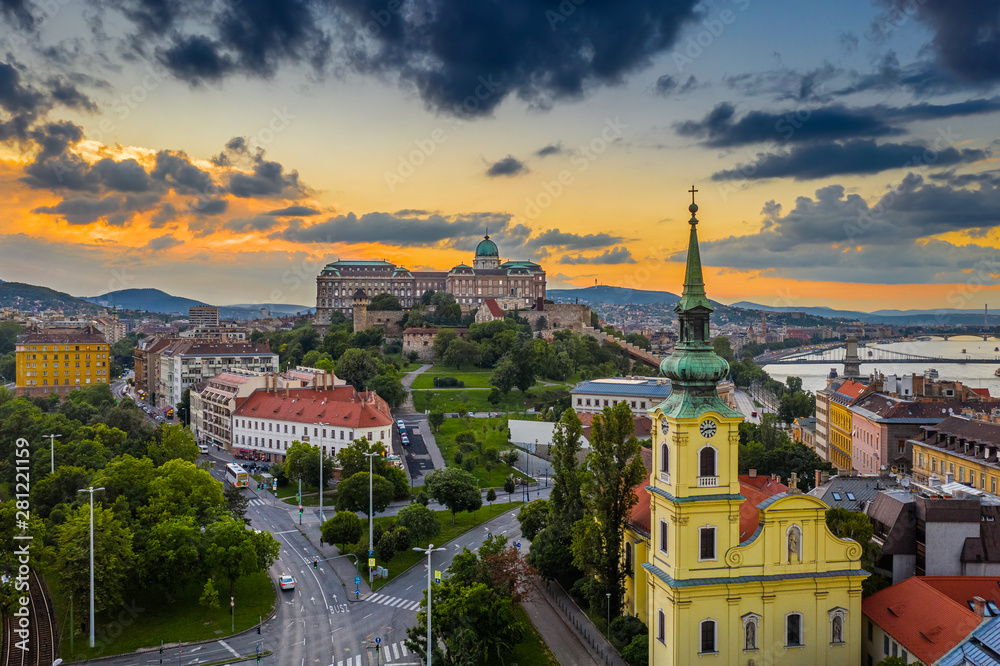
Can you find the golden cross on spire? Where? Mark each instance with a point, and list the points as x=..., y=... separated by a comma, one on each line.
x=692, y=191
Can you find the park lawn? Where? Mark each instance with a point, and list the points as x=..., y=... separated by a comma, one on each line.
x=490, y=431
x=464, y=522
x=444, y=400
x=157, y=618
x=473, y=378
x=532, y=650
x=312, y=499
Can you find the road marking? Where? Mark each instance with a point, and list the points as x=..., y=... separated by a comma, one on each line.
x=395, y=650
x=228, y=647
x=366, y=616
x=374, y=597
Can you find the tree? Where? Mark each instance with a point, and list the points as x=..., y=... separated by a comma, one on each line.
x=491, y=496
x=352, y=458
x=856, y=525
x=566, y=500
x=614, y=469
x=235, y=551
x=508, y=486
x=533, y=518
x=455, y=488
x=384, y=301
x=236, y=503
x=636, y=653
x=352, y=493
x=114, y=559
x=442, y=340
x=172, y=551
x=368, y=338
x=175, y=442
x=389, y=388
x=209, y=596
x=461, y=352
x=343, y=528
x=435, y=420
x=723, y=348
x=357, y=367
x=183, y=407
x=504, y=376
x=421, y=522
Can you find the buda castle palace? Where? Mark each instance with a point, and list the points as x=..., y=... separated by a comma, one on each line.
x=487, y=278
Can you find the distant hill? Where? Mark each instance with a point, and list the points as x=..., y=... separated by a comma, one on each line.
x=944, y=316
x=252, y=310
x=150, y=300
x=33, y=297
x=612, y=295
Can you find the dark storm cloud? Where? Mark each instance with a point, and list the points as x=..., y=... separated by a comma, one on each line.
x=839, y=237
x=508, y=166
x=19, y=12
x=668, y=85
x=68, y=95
x=207, y=206
x=196, y=58
x=114, y=209
x=294, y=211
x=165, y=214
x=384, y=228
x=267, y=179
x=617, y=255
x=123, y=176
x=988, y=178
x=466, y=57
x=571, y=241
x=966, y=34
x=176, y=170
x=805, y=162
x=721, y=129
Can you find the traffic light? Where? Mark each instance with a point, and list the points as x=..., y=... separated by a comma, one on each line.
x=315, y=563
x=300, y=509
x=376, y=648
x=258, y=658
x=258, y=629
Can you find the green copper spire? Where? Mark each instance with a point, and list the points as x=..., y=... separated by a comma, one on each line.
x=694, y=368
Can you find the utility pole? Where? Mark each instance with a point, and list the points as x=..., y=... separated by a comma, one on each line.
x=91, y=491
x=321, y=486
x=430, y=549
x=52, y=440
x=371, y=517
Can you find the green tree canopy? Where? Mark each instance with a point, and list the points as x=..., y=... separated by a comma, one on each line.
x=352, y=493
x=343, y=528
x=455, y=488
x=235, y=551
x=384, y=301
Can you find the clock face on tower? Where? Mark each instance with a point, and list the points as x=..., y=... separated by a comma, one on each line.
x=708, y=428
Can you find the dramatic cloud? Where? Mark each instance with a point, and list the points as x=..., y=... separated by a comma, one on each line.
x=570, y=241
x=617, y=255
x=805, y=162
x=966, y=34
x=250, y=224
x=164, y=242
x=295, y=211
x=785, y=83
x=839, y=237
x=508, y=166
x=390, y=229
x=720, y=128
x=115, y=210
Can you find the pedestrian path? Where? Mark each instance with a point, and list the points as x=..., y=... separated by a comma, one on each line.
x=395, y=602
x=388, y=653
x=258, y=502
x=394, y=652
x=353, y=660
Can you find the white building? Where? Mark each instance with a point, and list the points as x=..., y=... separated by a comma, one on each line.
x=641, y=394
x=268, y=421
x=185, y=363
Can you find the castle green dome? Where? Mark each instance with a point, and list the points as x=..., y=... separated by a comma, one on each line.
x=487, y=248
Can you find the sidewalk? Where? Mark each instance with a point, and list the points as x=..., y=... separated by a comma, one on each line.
x=407, y=382
x=567, y=646
x=585, y=631
x=437, y=460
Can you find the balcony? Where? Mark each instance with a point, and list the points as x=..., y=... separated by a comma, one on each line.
x=708, y=482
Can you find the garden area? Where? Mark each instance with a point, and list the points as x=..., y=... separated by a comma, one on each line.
x=477, y=446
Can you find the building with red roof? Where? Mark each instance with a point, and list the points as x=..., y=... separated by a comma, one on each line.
x=925, y=618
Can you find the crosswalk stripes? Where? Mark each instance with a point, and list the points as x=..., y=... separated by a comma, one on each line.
x=394, y=602
x=257, y=502
x=389, y=653
x=350, y=661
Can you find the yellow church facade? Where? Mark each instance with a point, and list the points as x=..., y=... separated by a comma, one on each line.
x=729, y=577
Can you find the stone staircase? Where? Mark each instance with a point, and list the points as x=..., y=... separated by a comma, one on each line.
x=636, y=353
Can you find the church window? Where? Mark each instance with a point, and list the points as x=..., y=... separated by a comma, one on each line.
x=664, y=458
x=707, y=636
x=707, y=543
x=706, y=462
x=628, y=558
x=793, y=629
x=661, y=626
x=663, y=536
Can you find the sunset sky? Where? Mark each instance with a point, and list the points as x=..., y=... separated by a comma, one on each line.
x=844, y=152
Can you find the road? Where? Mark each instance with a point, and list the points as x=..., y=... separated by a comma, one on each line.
x=744, y=403
x=418, y=458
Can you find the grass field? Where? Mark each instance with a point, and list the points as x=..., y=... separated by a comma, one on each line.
x=463, y=523
x=473, y=378
x=312, y=499
x=532, y=650
x=473, y=400
x=493, y=434
x=155, y=616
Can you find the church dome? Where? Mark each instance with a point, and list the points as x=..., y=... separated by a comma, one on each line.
x=487, y=248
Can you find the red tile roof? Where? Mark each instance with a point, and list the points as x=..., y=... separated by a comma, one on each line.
x=342, y=406
x=494, y=308
x=755, y=490
x=922, y=618
x=985, y=392
x=640, y=516
x=851, y=389
x=963, y=588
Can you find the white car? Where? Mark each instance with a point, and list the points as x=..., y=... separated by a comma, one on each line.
x=286, y=582
x=203, y=448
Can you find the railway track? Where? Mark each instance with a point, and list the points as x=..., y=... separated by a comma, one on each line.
x=41, y=643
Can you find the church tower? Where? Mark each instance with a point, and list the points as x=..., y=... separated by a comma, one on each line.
x=728, y=583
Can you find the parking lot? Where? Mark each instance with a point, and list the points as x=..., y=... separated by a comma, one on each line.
x=417, y=458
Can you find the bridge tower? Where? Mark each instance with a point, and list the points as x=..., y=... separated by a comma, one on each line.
x=852, y=362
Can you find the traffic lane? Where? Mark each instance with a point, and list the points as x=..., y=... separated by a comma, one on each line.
x=417, y=456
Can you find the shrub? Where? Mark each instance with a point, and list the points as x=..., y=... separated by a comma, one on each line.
x=467, y=436
x=419, y=521
x=458, y=457
x=469, y=464
x=625, y=627
x=402, y=538
x=385, y=547
x=448, y=382
x=636, y=653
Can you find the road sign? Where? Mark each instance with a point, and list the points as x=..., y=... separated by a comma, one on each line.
x=357, y=580
x=377, y=640
x=371, y=561
x=517, y=544
x=371, y=553
x=357, y=591
x=232, y=601
x=437, y=576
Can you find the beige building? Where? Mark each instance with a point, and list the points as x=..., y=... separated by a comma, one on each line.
x=203, y=315
x=184, y=363
x=339, y=281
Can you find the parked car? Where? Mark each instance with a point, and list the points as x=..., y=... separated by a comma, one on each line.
x=287, y=582
x=406, y=440
x=203, y=448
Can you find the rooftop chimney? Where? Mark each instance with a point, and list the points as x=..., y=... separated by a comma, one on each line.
x=752, y=473
x=979, y=606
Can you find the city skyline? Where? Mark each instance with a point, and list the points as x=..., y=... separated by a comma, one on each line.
x=848, y=163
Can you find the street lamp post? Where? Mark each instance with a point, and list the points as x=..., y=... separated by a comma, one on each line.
x=430, y=549
x=371, y=517
x=52, y=440
x=321, y=485
x=608, y=594
x=91, y=491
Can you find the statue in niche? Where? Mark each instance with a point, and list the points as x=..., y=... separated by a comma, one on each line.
x=793, y=545
x=751, y=636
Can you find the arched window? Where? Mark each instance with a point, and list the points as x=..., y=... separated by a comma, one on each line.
x=708, y=636
x=664, y=459
x=793, y=629
x=661, y=626
x=707, y=462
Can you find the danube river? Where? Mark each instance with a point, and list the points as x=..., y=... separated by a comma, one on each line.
x=975, y=375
